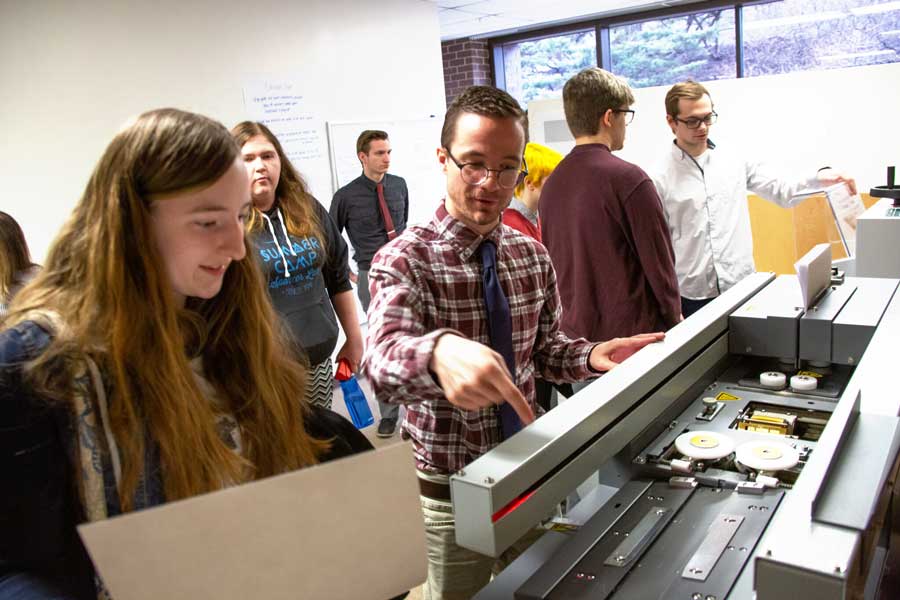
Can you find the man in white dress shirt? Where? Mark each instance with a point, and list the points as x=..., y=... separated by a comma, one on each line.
x=704, y=194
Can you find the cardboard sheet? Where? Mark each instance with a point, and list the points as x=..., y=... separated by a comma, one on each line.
x=350, y=529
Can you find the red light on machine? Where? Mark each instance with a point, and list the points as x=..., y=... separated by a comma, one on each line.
x=516, y=503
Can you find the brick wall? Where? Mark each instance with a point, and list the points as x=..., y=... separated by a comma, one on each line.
x=466, y=62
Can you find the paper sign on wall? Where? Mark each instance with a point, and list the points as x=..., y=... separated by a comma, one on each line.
x=285, y=108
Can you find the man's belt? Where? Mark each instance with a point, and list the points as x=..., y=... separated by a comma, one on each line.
x=434, y=490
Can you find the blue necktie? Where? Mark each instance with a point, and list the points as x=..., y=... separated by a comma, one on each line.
x=500, y=327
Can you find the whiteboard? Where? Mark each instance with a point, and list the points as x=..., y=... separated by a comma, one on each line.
x=414, y=144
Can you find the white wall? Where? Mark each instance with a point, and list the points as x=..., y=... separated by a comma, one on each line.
x=843, y=118
x=73, y=72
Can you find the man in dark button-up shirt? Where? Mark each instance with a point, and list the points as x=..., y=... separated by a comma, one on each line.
x=357, y=207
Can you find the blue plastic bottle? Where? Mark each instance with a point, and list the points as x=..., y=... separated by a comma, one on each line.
x=357, y=405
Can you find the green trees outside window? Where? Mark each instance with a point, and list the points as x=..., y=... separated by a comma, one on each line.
x=776, y=37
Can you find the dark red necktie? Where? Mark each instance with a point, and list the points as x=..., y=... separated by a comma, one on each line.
x=500, y=327
x=385, y=213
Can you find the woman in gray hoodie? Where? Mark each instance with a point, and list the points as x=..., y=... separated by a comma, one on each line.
x=303, y=258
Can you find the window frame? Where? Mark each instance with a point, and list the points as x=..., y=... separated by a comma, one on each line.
x=602, y=27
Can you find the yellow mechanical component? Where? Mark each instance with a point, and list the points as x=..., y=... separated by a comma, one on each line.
x=763, y=421
x=810, y=374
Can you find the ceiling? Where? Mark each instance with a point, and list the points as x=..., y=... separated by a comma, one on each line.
x=481, y=18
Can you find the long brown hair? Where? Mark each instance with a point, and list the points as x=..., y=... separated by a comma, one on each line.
x=291, y=194
x=106, y=281
x=14, y=255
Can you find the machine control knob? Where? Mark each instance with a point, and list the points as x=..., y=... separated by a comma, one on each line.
x=887, y=191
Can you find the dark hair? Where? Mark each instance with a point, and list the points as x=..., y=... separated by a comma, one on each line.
x=689, y=90
x=14, y=255
x=588, y=95
x=366, y=138
x=481, y=100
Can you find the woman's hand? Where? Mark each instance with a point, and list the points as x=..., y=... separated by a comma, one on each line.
x=352, y=350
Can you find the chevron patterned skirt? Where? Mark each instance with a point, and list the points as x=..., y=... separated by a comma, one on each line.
x=320, y=387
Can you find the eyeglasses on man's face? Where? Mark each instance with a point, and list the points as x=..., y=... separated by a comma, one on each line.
x=629, y=114
x=694, y=122
x=478, y=173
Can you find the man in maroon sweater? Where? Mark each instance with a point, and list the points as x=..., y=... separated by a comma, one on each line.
x=603, y=222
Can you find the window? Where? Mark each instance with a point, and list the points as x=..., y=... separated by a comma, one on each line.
x=662, y=47
x=798, y=35
x=535, y=69
x=700, y=46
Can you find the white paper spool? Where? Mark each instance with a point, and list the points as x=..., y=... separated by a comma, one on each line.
x=766, y=455
x=804, y=383
x=773, y=379
x=704, y=445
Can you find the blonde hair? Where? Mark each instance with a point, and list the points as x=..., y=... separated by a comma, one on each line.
x=588, y=95
x=105, y=279
x=291, y=194
x=540, y=161
x=14, y=255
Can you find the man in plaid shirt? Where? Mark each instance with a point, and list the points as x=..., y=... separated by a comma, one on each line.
x=428, y=339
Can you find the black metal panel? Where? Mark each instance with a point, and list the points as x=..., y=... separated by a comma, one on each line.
x=579, y=571
x=590, y=577
x=542, y=582
x=659, y=573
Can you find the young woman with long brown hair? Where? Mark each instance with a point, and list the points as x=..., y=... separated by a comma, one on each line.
x=303, y=257
x=143, y=364
x=16, y=268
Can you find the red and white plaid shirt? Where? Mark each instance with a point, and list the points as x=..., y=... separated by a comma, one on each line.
x=428, y=282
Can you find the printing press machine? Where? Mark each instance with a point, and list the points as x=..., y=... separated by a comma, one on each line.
x=753, y=453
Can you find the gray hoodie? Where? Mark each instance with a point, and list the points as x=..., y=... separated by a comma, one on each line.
x=302, y=277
